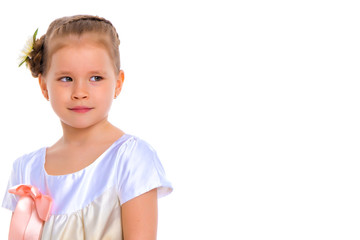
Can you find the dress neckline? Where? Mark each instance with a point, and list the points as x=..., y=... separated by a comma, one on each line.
x=91, y=165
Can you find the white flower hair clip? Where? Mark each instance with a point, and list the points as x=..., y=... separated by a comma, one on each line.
x=29, y=46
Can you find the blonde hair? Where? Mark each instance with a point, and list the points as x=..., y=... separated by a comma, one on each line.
x=75, y=25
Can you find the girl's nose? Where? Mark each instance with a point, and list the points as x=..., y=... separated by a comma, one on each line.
x=80, y=91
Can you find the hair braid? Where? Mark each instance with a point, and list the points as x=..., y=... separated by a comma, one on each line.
x=70, y=20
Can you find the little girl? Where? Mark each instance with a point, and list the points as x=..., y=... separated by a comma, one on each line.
x=95, y=182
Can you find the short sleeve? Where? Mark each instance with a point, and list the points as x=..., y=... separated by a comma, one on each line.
x=10, y=200
x=141, y=171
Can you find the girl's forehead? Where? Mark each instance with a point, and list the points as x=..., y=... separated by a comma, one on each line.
x=85, y=55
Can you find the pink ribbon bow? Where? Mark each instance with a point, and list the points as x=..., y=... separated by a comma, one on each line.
x=31, y=211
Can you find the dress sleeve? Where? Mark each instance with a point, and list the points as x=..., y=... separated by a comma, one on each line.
x=141, y=171
x=10, y=200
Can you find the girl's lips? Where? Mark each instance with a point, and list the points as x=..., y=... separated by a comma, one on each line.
x=80, y=109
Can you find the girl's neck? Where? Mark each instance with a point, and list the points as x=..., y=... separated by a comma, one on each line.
x=81, y=136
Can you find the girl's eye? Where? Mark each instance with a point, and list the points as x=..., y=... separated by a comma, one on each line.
x=66, y=79
x=95, y=78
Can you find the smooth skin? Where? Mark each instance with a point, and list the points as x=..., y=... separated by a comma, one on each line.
x=82, y=73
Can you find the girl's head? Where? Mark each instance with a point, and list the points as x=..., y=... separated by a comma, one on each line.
x=78, y=67
x=75, y=26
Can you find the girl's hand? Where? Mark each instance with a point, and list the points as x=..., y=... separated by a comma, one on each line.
x=139, y=217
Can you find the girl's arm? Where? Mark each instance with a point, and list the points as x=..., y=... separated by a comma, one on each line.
x=139, y=217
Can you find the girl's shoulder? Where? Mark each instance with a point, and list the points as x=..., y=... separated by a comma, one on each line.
x=137, y=143
x=131, y=144
x=136, y=152
x=29, y=159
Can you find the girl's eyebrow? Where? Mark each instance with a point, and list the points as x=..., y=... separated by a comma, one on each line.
x=97, y=73
x=62, y=73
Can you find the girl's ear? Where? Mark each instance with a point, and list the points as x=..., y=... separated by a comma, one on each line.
x=43, y=87
x=119, y=83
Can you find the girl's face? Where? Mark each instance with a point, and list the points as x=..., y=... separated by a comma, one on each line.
x=81, y=82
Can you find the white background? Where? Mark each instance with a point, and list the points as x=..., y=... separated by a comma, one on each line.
x=252, y=106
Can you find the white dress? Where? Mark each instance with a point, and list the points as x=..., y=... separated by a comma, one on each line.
x=87, y=203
